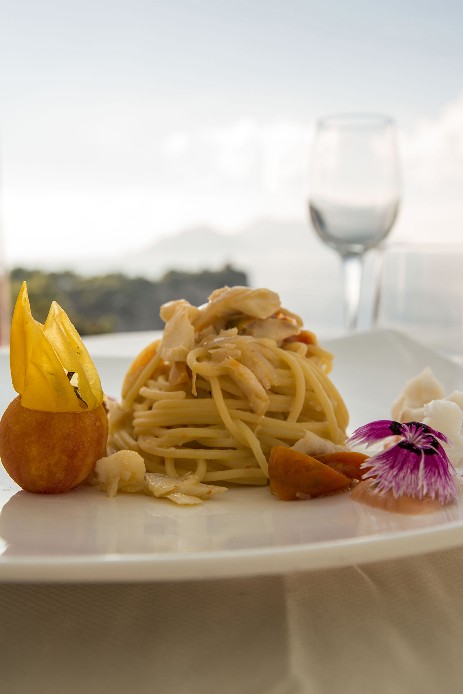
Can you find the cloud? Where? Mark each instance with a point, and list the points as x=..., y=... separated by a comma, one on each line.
x=432, y=159
x=176, y=145
x=433, y=155
x=263, y=170
x=139, y=184
x=272, y=153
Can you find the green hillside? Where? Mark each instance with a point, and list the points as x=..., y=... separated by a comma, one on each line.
x=116, y=302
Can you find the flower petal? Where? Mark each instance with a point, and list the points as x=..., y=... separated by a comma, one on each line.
x=376, y=431
x=411, y=471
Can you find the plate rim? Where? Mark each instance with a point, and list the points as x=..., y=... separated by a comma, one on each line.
x=241, y=563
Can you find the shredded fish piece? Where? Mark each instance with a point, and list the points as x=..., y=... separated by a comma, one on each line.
x=124, y=471
x=158, y=484
x=179, y=333
x=276, y=328
x=181, y=490
x=312, y=444
x=247, y=381
x=121, y=471
x=257, y=303
x=423, y=400
x=258, y=364
x=416, y=393
x=183, y=499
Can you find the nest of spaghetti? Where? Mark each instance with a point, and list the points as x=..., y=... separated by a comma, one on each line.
x=226, y=383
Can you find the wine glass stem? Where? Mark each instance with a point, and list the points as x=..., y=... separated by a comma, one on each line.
x=352, y=264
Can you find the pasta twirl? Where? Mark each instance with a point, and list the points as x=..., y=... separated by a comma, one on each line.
x=227, y=382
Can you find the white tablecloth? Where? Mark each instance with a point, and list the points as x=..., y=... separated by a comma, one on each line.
x=392, y=627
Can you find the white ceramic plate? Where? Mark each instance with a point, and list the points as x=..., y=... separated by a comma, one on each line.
x=83, y=536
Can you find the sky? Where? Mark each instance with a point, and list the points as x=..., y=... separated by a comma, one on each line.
x=122, y=122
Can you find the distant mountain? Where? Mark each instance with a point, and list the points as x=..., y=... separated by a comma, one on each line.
x=203, y=247
x=192, y=242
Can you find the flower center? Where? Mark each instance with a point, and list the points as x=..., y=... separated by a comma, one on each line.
x=417, y=435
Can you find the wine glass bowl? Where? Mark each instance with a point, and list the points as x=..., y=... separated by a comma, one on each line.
x=355, y=191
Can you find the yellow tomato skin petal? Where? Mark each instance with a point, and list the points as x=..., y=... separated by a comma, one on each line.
x=41, y=357
x=23, y=331
x=73, y=355
x=47, y=387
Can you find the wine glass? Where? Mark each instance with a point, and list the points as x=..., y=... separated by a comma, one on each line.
x=355, y=192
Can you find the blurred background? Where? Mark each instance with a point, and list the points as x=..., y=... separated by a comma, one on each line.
x=151, y=150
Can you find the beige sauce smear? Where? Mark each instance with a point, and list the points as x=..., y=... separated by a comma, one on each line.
x=404, y=504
